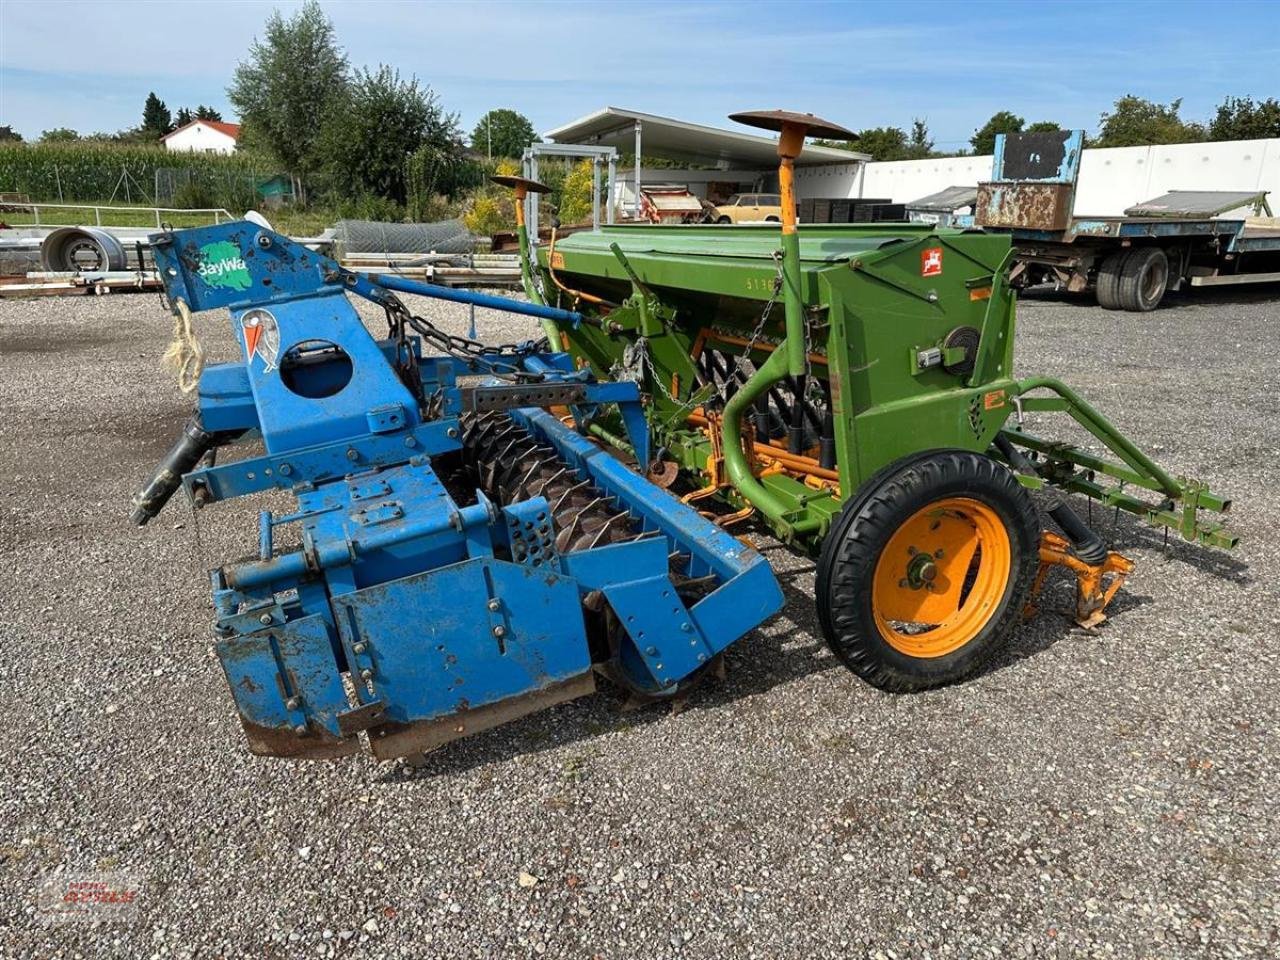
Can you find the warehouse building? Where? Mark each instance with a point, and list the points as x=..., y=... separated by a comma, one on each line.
x=721, y=162
x=714, y=163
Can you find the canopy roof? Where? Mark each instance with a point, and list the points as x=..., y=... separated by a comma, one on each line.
x=946, y=200
x=695, y=143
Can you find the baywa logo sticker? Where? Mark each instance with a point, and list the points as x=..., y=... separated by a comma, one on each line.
x=261, y=338
x=222, y=266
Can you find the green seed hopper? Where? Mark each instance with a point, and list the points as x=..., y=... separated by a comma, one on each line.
x=852, y=386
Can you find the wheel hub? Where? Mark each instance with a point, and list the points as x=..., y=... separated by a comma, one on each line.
x=921, y=570
x=957, y=564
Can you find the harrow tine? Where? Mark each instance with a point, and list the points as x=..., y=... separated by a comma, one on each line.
x=604, y=528
x=556, y=506
x=542, y=491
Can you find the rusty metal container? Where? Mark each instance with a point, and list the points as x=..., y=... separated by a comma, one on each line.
x=1029, y=205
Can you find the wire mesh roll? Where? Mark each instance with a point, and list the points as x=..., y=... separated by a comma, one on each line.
x=372, y=236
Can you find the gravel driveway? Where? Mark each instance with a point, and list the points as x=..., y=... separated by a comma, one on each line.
x=1110, y=795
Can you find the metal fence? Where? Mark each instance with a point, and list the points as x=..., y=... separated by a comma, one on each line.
x=234, y=190
x=54, y=214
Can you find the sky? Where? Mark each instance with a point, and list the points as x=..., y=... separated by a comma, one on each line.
x=90, y=65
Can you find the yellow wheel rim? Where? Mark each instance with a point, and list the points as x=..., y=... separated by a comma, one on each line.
x=941, y=576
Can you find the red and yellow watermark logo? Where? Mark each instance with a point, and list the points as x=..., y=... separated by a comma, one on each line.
x=89, y=897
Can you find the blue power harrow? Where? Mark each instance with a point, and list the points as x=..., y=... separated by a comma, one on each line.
x=458, y=557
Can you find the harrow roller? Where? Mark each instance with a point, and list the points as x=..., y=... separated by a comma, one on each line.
x=510, y=465
x=423, y=606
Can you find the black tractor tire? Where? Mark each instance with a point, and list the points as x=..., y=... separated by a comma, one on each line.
x=944, y=489
x=724, y=220
x=1143, y=279
x=1107, y=285
x=772, y=220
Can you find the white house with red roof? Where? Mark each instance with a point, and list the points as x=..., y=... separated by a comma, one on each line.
x=203, y=136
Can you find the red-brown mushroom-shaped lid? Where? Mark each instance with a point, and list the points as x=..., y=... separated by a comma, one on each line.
x=533, y=186
x=775, y=119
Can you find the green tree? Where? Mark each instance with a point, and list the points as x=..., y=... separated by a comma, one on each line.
x=1042, y=126
x=575, y=194
x=1135, y=122
x=502, y=133
x=920, y=145
x=428, y=176
x=889, y=143
x=207, y=113
x=9, y=135
x=1239, y=118
x=129, y=135
x=182, y=117
x=984, y=138
x=287, y=85
x=486, y=214
x=880, y=143
x=59, y=135
x=367, y=136
x=156, y=119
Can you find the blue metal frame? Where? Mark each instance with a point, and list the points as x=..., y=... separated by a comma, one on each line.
x=1068, y=171
x=241, y=264
x=1130, y=228
x=394, y=589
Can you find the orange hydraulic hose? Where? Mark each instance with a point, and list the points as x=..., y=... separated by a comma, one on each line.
x=766, y=451
x=576, y=294
x=718, y=337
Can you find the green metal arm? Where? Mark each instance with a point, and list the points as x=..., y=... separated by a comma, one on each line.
x=735, y=461
x=1098, y=425
x=1140, y=470
x=989, y=353
x=793, y=305
x=526, y=267
x=531, y=289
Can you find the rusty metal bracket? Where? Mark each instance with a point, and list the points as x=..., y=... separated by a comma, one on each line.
x=1096, y=585
x=361, y=718
x=506, y=396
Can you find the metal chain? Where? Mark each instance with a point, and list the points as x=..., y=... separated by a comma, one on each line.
x=645, y=361
x=808, y=342
x=758, y=332
x=464, y=348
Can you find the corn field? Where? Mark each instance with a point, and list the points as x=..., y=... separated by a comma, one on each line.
x=62, y=173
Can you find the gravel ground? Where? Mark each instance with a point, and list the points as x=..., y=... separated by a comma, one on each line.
x=1108, y=795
